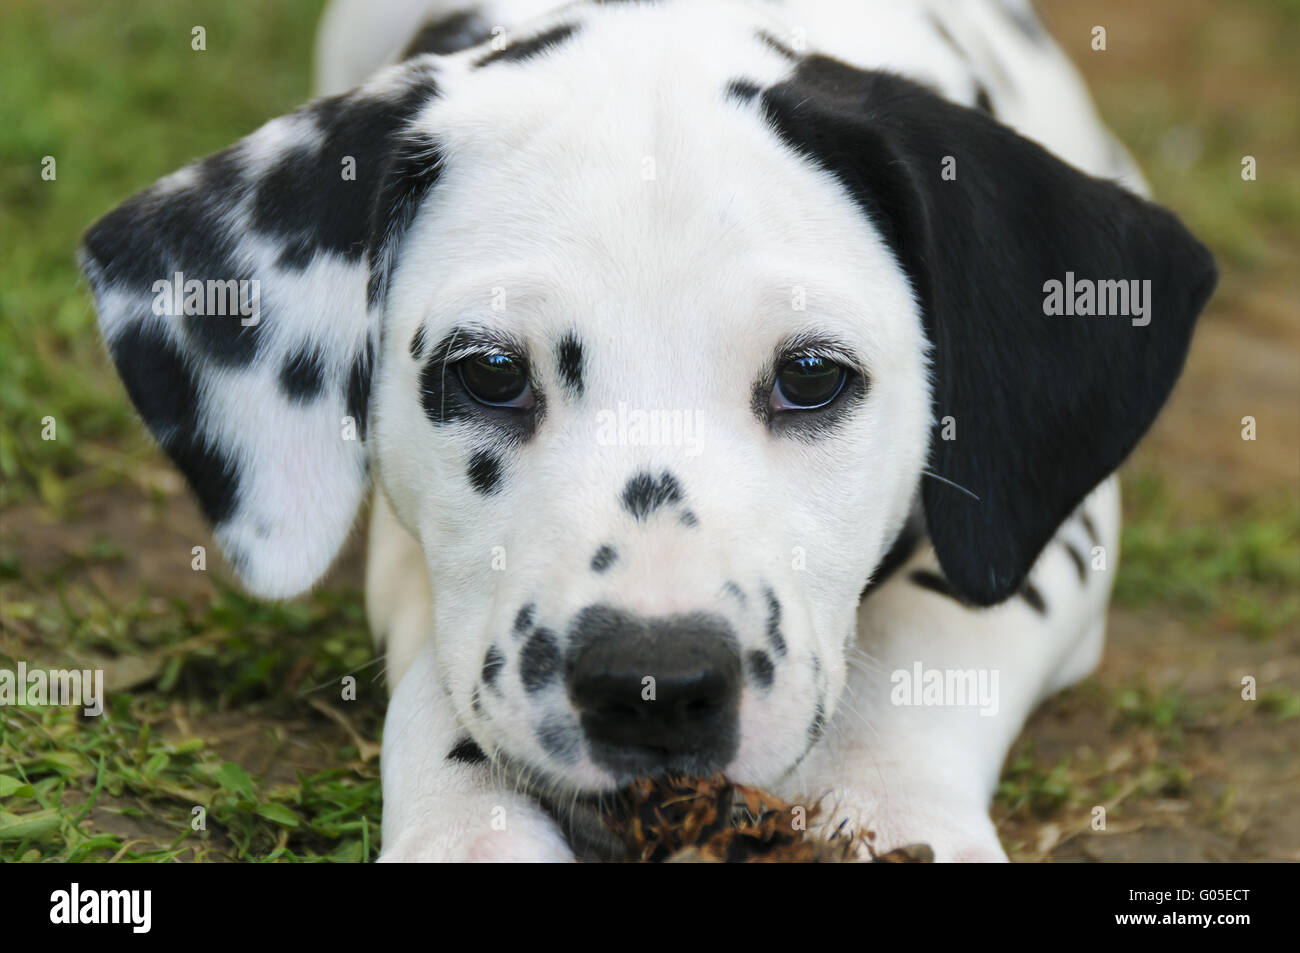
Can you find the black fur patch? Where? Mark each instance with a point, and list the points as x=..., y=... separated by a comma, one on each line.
x=767, y=39
x=742, y=90
x=358, y=388
x=818, y=726
x=164, y=390
x=467, y=752
x=935, y=583
x=1090, y=528
x=305, y=201
x=644, y=494
x=735, y=591
x=983, y=101
x=493, y=663
x=1029, y=592
x=524, y=618
x=761, y=668
x=409, y=175
x=539, y=662
x=440, y=388
x=604, y=558
x=569, y=359
x=978, y=250
x=453, y=33
x=542, y=43
x=417, y=343
x=485, y=472
x=302, y=375
x=1077, y=558
x=774, y=636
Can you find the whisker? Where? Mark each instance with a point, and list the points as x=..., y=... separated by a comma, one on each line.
x=957, y=486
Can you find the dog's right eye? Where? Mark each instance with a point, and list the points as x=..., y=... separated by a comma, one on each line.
x=496, y=379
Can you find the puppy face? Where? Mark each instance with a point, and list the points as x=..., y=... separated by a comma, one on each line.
x=644, y=324
x=631, y=409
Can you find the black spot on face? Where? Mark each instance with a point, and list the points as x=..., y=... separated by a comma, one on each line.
x=539, y=662
x=455, y=32
x=493, y=662
x=569, y=359
x=774, y=637
x=485, y=472
x=644, y=494
x=604, y=558
x=467, y=752
x=742, y=90
x=417, y=343
x=302, y=376
x=761, y=668
x=734, y=590
x=534, y=46
x=524, y=618
x=688, y=518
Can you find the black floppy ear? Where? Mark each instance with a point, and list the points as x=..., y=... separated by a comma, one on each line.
x=1047, y=399
x=241, y=299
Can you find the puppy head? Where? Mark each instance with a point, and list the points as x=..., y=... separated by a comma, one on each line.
x=648, y=346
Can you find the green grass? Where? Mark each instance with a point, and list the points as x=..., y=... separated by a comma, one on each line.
x=1240, y=569
x=268, y=662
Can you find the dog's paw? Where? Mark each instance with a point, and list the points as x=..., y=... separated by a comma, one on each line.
x=953, y=836
x=483, y=833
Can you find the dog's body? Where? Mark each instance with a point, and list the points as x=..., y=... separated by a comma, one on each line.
x=696, y=209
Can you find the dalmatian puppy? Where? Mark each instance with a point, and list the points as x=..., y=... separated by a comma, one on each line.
x=737, y=387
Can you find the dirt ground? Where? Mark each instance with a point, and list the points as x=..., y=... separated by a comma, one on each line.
x=1160, y=737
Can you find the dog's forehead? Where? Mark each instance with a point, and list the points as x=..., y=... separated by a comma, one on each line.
x=625, y=168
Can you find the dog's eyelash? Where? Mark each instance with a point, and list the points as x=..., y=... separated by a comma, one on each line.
x=484, y=347
x=801, y=347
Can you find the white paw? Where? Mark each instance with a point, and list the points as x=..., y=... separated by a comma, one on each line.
x=485, y=833
x=954, y=836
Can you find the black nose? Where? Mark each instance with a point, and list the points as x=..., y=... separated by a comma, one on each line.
x=655, y=696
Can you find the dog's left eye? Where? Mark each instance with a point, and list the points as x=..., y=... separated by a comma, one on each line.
x=806, y=383
x=496, y=379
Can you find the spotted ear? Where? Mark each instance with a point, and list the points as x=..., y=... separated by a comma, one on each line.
x=240, y=299
x=1041, y=401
